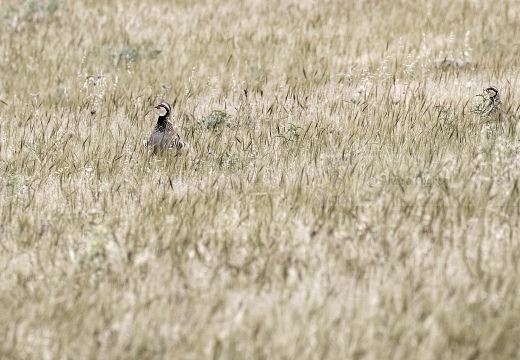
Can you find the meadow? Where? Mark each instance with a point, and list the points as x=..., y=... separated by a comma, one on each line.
x=341, y=198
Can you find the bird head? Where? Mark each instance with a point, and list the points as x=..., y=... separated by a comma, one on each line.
x=163, y=108
x=492, y=92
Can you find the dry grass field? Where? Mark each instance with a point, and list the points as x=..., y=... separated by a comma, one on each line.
x=342, y=197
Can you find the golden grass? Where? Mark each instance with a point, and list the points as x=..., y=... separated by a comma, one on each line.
x=339, y=199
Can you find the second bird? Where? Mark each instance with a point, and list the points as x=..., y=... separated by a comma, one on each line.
x=163, y=136
x=494, y=103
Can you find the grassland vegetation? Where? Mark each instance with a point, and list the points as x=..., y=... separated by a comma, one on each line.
x=343, y=197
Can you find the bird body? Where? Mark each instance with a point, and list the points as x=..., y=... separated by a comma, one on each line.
x=163, y=136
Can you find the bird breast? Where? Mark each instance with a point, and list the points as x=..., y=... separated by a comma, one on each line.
x=161, y=139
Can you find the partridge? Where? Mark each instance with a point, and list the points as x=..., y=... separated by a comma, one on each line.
x=163, y=136
x=494, y=103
